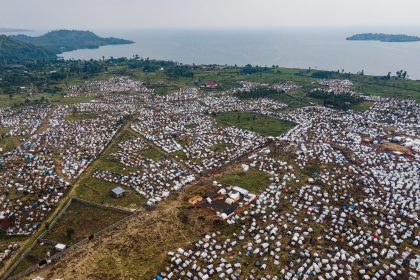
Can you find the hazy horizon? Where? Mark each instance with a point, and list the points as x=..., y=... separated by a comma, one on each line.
x=215, y=14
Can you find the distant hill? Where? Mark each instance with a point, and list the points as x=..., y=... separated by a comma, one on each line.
x=12, y=52
x=383, y=37
x=68, y=40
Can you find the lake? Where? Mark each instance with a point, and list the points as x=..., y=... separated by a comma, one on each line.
x=301, y=48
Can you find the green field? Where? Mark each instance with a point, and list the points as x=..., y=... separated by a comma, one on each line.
x=84, y=219
x=361, y=107
x=252, y=180
x=263, y=125
x=226, y=76
x=152, y=154
x=221, y=147
x=99, y=191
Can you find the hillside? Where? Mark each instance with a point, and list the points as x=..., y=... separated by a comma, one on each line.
x=383, y=37
x=68, y=40
x=12, y=51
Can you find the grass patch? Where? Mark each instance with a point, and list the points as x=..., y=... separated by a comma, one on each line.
x=9, y=143
x=361, y=107
x=263, y=125
x=75, y=117
x=152, y=154
x=113, y=166
x=191, y=126
x=4, y=130
x=312, y=170
x=252, y=180
x=179, y=155
x=221, y=147
x=83, y=220
x=99, y=191
x=292, y=101
x=6, y=240
x=35, y=256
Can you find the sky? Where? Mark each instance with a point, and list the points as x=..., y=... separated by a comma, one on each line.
x=139, y=14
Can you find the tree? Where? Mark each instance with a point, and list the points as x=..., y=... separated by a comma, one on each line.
x=69, y=233
x=401, y=74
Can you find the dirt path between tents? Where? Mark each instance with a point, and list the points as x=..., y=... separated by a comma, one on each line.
x=135, y=250
x=26, y=244
x=138, y=248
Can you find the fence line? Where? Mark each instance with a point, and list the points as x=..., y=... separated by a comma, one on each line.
x=22, y=256
x=57, y=256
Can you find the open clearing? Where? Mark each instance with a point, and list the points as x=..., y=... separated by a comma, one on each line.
x=252, y=180
x=79, y=221
x=99, y=191
x=361, y=107
x=84, y=219
x=263, y=125
x=138, y=248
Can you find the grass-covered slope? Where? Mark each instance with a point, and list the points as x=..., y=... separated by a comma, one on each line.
x=68, y=40
x=13, y=51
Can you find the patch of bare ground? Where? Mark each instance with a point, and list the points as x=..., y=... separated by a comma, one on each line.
x=392, y=147
x=138, y=248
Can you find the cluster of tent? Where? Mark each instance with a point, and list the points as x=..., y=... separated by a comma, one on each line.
x=30, y=189
x=285, y=87
x=79, y=142
x=112, y=85
x=195, y=139
x=229, y=103
x=153, y=179
x=23, y=121
x=355, y=217
x=8, y=252
x=32, y=174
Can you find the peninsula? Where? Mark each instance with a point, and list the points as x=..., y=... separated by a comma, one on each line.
x=60, y=41
x=383, y=37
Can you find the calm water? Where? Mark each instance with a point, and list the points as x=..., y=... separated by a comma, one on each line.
x=302, y=48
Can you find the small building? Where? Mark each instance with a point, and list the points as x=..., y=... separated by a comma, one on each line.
x=211, y=84
x=60, y=247
x=118, y=192
x=234, y=195
x=241, y=190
